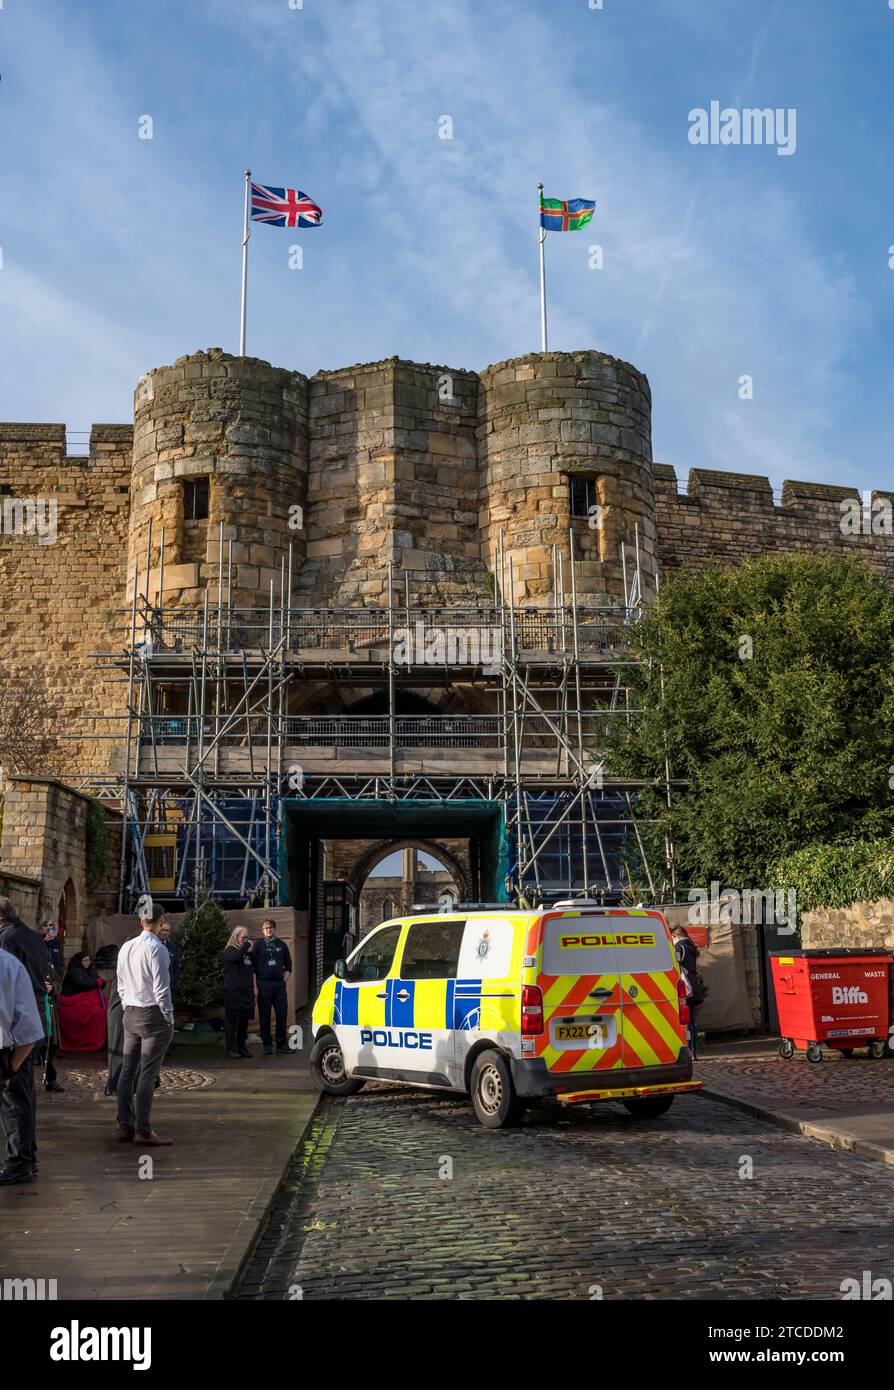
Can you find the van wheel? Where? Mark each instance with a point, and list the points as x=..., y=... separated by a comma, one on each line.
x=648, y=1107
x=327, y=1067
x=493, y=1096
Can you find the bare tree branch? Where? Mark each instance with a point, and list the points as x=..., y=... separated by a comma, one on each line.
x=29, y=722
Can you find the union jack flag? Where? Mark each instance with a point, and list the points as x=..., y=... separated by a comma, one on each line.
x=283, y=207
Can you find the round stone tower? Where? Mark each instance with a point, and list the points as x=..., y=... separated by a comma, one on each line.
x=565, y=448
x=217, y=439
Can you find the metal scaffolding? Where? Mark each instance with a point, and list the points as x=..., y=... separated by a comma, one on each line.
x=208, y=750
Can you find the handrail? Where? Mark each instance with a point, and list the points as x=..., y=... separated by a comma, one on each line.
x=467, y=635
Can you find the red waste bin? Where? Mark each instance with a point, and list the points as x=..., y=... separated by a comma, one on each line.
x=832, y=998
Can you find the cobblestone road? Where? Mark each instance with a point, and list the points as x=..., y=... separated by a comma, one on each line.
x=403, y=1194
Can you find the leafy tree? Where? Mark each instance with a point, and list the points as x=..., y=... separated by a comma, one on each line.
x=201, y=941
x=770, y=690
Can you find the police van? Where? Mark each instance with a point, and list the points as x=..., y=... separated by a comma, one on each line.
x=569, y=1003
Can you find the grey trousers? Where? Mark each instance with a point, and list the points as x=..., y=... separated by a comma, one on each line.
x=146, y=1037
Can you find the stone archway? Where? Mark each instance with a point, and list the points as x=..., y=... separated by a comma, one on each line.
x=372, y=855
x=414, y=887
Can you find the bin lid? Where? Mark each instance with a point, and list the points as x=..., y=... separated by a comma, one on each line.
x=836, y=951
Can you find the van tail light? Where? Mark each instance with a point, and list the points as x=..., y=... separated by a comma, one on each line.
x=682, y=1000
x=531, y=1011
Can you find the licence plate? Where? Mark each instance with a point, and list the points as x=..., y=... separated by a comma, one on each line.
x=594, y=1033
x=568, y=1032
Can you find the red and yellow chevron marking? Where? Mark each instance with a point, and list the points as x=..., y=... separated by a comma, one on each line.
x=653, y=1034
x=562, y=1000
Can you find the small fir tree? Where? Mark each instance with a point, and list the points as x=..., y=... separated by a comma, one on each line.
x=201, y=941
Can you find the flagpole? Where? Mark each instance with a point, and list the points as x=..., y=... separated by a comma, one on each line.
x=542, y=230
x=246, y=233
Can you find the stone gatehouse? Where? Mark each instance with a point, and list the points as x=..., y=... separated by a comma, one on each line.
x=237, y=480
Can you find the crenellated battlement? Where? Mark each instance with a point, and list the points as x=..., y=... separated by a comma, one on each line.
x=724, y=517
x=706, y=484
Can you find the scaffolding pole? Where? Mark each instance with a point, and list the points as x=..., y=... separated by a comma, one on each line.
x=556, y=693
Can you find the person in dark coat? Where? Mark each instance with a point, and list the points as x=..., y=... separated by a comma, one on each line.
x=82, y=1008
x=273, y=966
x=29, y=947
x=80, y=977
x=53, y=944
x=239, y=992
x=115, y=1038
x=686, y=952
x=164, y=937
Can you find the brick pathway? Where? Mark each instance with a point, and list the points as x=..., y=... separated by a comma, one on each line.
x=563, y=1208
x=94, y=1225
x=830, y=1086
x=845, y=1102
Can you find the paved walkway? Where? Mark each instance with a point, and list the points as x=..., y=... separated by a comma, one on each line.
x=845, y=1102
x=97, y=1224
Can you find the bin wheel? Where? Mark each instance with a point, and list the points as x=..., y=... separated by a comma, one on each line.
x=846, y=1051
x=786, y=1048
x=877, y=1049
x=814, y=1053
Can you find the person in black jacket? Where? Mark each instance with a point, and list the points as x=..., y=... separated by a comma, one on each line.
x=80, y=977
x=29, y=947
x=686, y=952
x=164, y=937
x=273, y=966
x=53, y=944
x=239, y=992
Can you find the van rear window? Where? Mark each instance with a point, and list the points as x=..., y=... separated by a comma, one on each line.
x=591, y=944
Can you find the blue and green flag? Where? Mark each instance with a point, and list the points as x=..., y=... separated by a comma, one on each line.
x=565, y=214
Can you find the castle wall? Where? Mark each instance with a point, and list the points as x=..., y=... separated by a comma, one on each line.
x=43, y=839
x=723, y=518
x=60, y=592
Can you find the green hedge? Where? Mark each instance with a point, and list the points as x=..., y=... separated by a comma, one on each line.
x=837, y=875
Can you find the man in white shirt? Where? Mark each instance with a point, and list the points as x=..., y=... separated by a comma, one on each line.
x=145, y=989
x=20, y=1029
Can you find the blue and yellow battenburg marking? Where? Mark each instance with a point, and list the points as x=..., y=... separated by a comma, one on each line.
x=450, y=1004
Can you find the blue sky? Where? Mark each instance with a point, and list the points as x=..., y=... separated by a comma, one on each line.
x=718, y=261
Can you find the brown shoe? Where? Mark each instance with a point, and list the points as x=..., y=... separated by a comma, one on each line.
x=152, y=1140
x=125, y=1135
